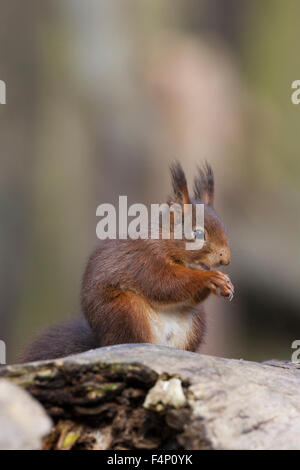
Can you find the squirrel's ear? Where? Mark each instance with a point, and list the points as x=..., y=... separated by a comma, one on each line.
x=204, y=185
x=179, y=184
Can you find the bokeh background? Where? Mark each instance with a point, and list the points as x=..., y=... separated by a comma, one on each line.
x=101, y=96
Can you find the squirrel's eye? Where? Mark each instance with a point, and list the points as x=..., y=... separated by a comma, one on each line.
x=199, y=234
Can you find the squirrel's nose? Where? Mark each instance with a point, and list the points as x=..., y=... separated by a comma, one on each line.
x=224, y=256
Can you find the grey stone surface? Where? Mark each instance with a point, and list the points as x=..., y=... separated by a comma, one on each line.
x=234, y=404
x=244, y=405
x=23, y=421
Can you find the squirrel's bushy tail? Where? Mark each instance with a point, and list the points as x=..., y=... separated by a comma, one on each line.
x=72, y=337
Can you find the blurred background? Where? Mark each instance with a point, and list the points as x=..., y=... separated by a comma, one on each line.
x=101, y=96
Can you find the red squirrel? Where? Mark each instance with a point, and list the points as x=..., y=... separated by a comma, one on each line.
x=145, y=290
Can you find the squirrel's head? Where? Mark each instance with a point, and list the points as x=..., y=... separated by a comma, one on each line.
x=215, y=250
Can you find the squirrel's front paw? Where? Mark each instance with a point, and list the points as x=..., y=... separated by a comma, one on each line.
x=220, y=284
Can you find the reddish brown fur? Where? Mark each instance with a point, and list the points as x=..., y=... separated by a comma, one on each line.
x=145, y=291
x=126, y=280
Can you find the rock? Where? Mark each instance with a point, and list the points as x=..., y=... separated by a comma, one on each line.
x=23, y=421
x=150, y=397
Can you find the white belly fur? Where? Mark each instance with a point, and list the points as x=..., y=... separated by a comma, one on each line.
x=171, y=325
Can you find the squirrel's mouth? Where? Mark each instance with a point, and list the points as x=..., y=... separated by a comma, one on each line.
x=204, y=266
x=198, y=265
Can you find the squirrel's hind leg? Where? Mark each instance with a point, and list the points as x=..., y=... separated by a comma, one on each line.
x=196, y=336
x=121, y=317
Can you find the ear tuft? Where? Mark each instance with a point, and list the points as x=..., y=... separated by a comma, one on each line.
x=204, y=185
x=179, y=184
